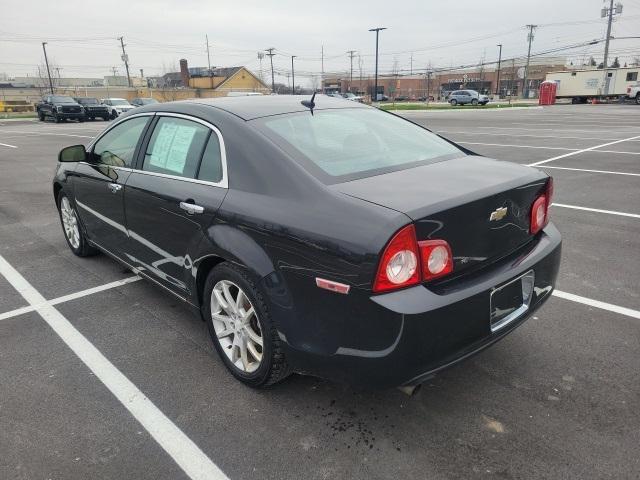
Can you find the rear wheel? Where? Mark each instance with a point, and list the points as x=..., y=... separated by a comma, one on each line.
x=114, y=115
x=241, y=328
x=638, y=99
x=73, y=233
x=453, y=102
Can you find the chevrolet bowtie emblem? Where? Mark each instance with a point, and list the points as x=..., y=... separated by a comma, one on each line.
x=498, y=214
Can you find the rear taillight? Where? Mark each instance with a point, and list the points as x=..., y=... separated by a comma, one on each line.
x=406, y=262
x=399, y=263
x=540, y=209
x=436, y=259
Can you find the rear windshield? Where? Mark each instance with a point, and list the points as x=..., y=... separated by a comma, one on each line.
x=346, y=144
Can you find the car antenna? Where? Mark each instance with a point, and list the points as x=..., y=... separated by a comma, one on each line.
x=310, y=104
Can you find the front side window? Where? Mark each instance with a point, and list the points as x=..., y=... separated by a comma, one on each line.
x=345, y=144
x=117, y=147
x=176, y=147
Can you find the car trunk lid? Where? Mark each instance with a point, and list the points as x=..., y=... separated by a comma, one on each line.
x=480, y=206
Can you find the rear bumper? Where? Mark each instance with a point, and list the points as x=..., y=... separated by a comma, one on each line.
x=404, y=337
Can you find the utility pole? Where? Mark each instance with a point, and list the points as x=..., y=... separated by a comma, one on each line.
x=498, y=73
x=525, y=90
x=46, y=61
x=141, y=73
x=610, y=12
x=260, y=57
x=270, y=55
x=209, y=61
x=351, y=54
x=114, y=70
x=411, y=67
x=428, y=85
x=375, y=88
x=322, y=68
x=293, y=76
x=125, y=59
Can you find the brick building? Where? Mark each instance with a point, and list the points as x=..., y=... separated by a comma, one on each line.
x=439, y=84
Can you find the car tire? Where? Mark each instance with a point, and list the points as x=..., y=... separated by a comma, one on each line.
x=41, y=116
x=92, y=118
x=81, y=120
x=72, y=229
x=105, y=118
x=638, y=99
x=114, y=115
x=57, y=119
x=474, y=102
x=453, y=102
x=232, y=331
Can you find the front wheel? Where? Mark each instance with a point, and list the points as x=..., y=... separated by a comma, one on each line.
x=474, y=102
x=41, y=116
x=453, y=102
x=57, y=119
x=241, y=327
x=114, y=115
x=638, y=99
x=71, y=226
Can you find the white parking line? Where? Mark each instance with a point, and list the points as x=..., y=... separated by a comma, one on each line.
x=46, y=133
x=72, y=296
x=597, y=304
x=180, y=448
x=597, y=210
x=516, y=146
x=474, y=133
x=7, y=145
x=583, y=150
x=591, y=171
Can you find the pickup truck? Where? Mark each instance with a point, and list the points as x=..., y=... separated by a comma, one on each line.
x=59, y=107
x=633, y=92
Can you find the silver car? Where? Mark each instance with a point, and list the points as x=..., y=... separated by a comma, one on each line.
x=462, y=97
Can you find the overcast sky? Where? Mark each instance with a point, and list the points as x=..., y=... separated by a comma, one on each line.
x=81, y=34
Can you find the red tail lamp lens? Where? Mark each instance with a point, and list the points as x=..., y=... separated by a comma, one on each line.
x=437, y=259
x=399, y=263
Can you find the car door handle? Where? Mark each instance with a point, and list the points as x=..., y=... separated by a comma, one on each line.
x=191, y=208
x=114, y=187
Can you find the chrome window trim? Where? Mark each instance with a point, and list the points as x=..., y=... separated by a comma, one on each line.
x=91, y=144
x=224, y=183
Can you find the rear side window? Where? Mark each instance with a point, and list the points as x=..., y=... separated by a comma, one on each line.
x=117, y=146
x=345, y=144
x=632, y=76
x=176, y=147
x=211, y=165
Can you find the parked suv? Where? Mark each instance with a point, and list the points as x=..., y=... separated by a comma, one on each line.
x=462, y=97
x=59, y=107
x=93, y=108
x=139, y=102
x=117, y=106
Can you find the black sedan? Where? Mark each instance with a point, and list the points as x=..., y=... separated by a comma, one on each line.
x=316, y=235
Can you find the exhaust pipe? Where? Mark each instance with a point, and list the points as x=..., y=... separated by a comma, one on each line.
x=410, y=390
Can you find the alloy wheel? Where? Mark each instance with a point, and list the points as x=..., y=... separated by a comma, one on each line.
x=70, y=223
x=236, y=326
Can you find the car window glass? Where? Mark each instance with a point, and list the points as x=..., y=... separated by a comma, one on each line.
x=118, y=145
x=175, y=147
x=351, y=142
x=211, y=165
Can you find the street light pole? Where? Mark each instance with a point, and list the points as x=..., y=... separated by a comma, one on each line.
x=293, y=77
x=498, y=74
x=375, y=88
x=46, y=61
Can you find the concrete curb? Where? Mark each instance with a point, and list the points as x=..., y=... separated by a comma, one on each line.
x=506, y=109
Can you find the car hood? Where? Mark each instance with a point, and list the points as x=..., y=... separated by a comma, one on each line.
x=66, y=104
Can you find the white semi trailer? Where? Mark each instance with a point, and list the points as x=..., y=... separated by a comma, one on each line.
x=581, y=85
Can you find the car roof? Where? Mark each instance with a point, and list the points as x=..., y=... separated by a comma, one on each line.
x=251, y=107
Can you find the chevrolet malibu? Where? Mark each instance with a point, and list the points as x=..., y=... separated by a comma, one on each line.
x=317, y=235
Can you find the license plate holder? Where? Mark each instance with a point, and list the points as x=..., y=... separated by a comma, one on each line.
x=511, y=300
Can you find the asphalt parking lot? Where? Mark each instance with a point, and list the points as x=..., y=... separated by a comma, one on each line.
x=105, y=376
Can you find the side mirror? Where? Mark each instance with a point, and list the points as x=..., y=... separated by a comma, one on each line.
x=74, y=153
